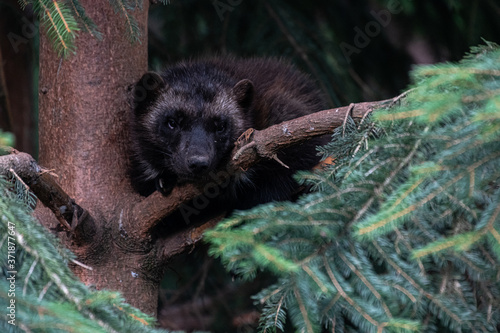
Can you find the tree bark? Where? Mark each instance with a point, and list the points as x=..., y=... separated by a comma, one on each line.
x=83, y=103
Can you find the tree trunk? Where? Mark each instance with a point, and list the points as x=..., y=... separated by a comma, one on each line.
x=83, y=103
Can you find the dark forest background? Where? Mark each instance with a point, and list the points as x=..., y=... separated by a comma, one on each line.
x=355, y=50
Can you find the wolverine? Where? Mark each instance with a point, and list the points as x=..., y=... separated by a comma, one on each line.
x=186, y=120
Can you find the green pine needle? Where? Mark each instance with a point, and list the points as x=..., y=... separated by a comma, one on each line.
x=83, y=20
x=123, y=8
x=403, y=233
x=48, y=297
x=60, y=23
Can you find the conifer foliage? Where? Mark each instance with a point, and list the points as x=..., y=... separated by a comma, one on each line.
x=64, y=19
x=38, y=291
x=403, y=232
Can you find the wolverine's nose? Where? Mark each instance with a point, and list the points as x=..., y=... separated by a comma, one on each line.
x=198, y=163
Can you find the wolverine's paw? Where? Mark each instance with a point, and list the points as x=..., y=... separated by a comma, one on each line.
x=163, y=187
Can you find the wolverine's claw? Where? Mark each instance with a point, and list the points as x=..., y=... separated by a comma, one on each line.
x=162, y=187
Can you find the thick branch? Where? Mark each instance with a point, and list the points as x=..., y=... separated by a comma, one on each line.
x=178, y=242
x=266, y=143
x=250, y=148
x=71, y=216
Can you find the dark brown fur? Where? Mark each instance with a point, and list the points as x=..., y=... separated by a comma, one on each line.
x=186, y=121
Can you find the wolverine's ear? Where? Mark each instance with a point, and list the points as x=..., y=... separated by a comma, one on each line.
x=243, y=91
x=146, y=90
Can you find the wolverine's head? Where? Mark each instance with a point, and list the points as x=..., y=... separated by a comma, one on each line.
x=187, y=120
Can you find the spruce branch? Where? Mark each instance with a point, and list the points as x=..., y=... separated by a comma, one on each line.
x=52, y=297
x=85, y=21
x=177, y=242
x=60, y=22
x=403, y=233
x=124, y=7
x=64, y=19
x=72, y=217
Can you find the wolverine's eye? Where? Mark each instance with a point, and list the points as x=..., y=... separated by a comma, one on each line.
x=220, y=126
x=171, y=123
